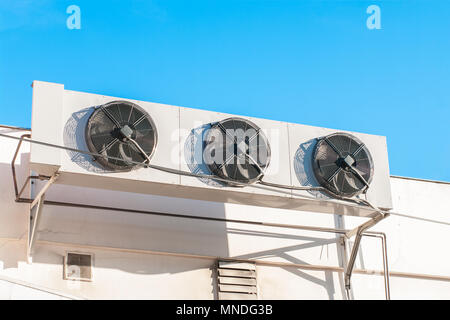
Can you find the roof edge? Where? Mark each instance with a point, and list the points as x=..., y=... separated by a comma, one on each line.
x=421, y=180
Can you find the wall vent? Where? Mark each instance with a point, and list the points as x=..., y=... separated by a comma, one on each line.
x=78, y=266
x=236, y=280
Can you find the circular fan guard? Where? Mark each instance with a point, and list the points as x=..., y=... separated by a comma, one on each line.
x=237, y=150
x=342, y=164
x=110, y=128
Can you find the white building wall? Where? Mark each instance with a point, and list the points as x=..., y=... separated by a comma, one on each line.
x=140, y=256
x=10, y=290
x=417, y=236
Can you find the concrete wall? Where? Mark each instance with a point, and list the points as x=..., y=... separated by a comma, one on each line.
x=130, y=249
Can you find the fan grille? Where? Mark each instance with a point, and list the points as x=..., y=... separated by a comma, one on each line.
x=104, y=134
x=342, y=164
x=237, y=150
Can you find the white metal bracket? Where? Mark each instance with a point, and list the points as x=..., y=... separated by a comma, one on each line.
x=35, y=215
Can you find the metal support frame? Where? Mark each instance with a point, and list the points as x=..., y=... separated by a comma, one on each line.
x=37, y=204
x=39, y=201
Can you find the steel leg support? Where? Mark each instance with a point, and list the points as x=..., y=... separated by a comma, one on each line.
x=36, y=207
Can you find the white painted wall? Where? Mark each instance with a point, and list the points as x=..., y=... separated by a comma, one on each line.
x=124, y=244
x=10, y=290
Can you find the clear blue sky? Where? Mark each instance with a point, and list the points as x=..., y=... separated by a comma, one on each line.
x=309, y=62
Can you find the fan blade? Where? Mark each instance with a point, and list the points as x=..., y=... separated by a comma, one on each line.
x=139, y=120
x=333, y=147
x=359, y=176
x=339, y=169
x=361, y=146
x=110, y=116
x=351, y=181
x=255, y=164
x=226, y=161
x=108, y=146
x=233, y=138
x=238, y=139
x=140, y=150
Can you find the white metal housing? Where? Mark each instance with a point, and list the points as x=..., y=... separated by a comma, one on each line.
x=59, y=117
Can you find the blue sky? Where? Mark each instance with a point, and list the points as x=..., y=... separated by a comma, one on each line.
x=309, y=62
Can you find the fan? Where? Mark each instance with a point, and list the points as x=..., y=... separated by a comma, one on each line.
x=236, y=150
x=342, y=164
x=121, y=129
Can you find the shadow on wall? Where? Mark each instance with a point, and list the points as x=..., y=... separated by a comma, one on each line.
x=304, y=170
x=283, y=252
x=74, y=137
x=103, y=228
x=193, y=155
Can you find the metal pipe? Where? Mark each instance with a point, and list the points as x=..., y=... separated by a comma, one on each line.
x=386, y=274
x=174, y=215
x=140, y=149
x=387, y=289
x=207, y=257
x=39, y=177
x=368, y=224
x=13, y=169
x=261, y=262
x=13, y=163
x=351, y=261
x=359, y=231
x=184, y=216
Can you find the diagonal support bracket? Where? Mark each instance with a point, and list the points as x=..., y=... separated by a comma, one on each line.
x=35, y=215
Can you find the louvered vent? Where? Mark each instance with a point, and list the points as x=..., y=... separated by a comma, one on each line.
x=78, y=266
x=236, y=281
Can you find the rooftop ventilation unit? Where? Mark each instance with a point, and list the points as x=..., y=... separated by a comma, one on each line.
x=343, y=164
x=237, y=150
x=121, y=129
x=275, y=164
